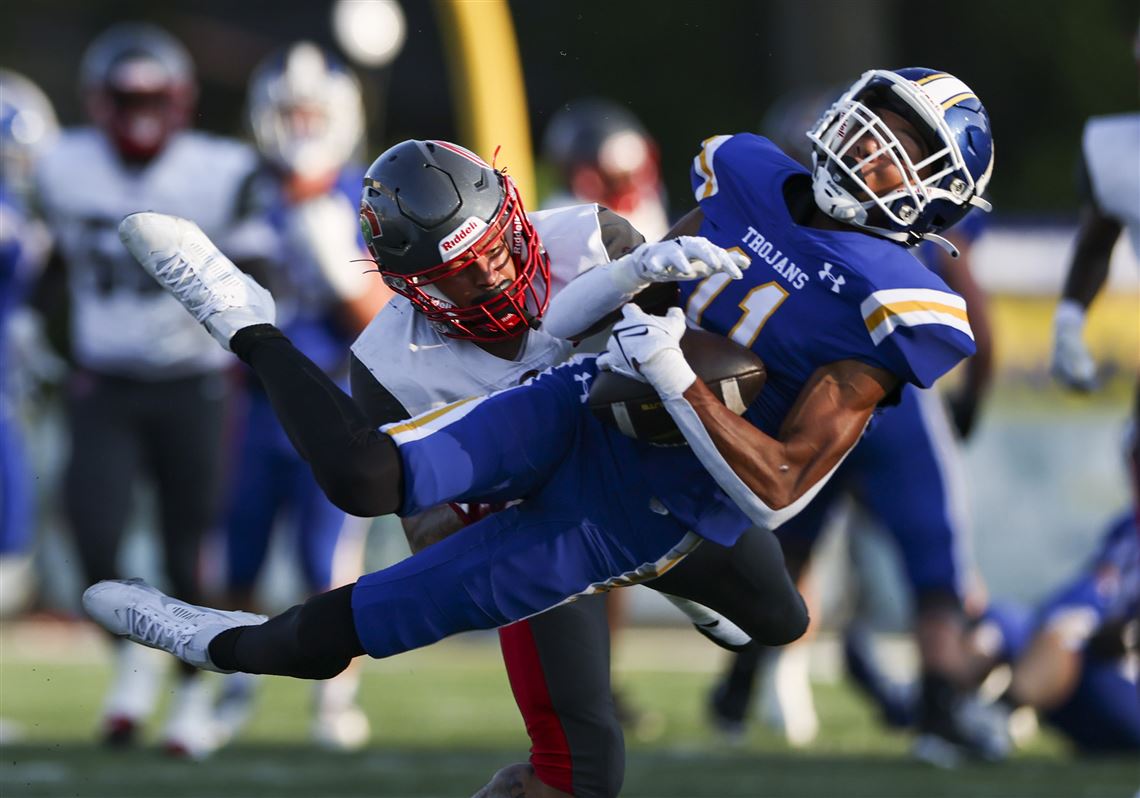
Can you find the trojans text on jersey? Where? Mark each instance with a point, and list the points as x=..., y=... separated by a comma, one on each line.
x=774, y=257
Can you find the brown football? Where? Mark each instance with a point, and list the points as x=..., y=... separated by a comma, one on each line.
x=735, y=374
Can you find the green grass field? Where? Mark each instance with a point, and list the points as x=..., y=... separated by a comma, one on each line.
x=443, y=722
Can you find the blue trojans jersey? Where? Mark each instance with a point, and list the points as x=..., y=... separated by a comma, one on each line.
x=811, y=296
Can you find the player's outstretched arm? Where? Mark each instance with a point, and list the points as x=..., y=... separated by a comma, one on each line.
x=770, y=479
x=598, y=292
x=1072, y=365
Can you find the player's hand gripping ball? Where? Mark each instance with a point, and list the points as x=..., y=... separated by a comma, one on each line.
x=621, y=395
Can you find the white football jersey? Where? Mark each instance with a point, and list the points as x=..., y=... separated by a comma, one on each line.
x=122, y=322
x=1111, y=147
x=424, y=370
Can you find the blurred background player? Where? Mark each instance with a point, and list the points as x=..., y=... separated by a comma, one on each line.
x=306, y=116
x=602, y=153
x=906, y=474
x=147, y=396
x=1075, y=658
x=28, y=126
x=1109, y=183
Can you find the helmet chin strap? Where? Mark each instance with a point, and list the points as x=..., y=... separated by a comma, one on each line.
x=944, y=243
x=910, y=239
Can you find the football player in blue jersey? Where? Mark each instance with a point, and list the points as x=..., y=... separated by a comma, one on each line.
x=306, y=115
x=833, y=303
x=907, y=473
x=27, y=127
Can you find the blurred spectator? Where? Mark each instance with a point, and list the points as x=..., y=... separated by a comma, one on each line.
x=604, y=154
x=305, y=113
x=147, y=395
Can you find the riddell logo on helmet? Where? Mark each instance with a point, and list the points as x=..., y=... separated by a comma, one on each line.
x=463, y=237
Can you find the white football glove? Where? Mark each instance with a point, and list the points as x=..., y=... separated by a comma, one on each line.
x=681, y=258
x=1072, y=364
x=648, y=348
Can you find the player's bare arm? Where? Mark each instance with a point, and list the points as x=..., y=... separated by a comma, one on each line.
x=1088, y=270
x=827, y=420
x=769, y=479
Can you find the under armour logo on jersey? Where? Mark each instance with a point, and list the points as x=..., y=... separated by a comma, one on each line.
x=585, y=380
x=836, y=279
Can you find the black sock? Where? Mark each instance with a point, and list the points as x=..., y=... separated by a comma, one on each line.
x=314, y=640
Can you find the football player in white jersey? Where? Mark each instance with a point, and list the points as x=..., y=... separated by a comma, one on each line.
x=1110, y=157
x=147, y=394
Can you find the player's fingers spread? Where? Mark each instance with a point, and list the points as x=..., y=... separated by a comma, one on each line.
x=712, y=257
x=677, y=262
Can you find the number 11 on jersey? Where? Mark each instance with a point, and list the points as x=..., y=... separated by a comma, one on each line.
x=758, y=306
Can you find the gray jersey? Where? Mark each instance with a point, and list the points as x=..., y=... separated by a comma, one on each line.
x=1111, y=147
x=424, y=370
x=122, y=322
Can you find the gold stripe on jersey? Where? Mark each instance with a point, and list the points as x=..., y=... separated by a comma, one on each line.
x=703, y=164
x=426, y=423
x=885, y=311
x=649, y=570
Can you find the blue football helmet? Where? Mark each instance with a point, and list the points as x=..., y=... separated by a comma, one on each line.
x=935, y=192
x=28, y=126
x=305, y=111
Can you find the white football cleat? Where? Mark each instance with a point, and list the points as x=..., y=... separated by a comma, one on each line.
x=133, y=609
x=184, y=261
x=190, y=730
x=711, y=624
